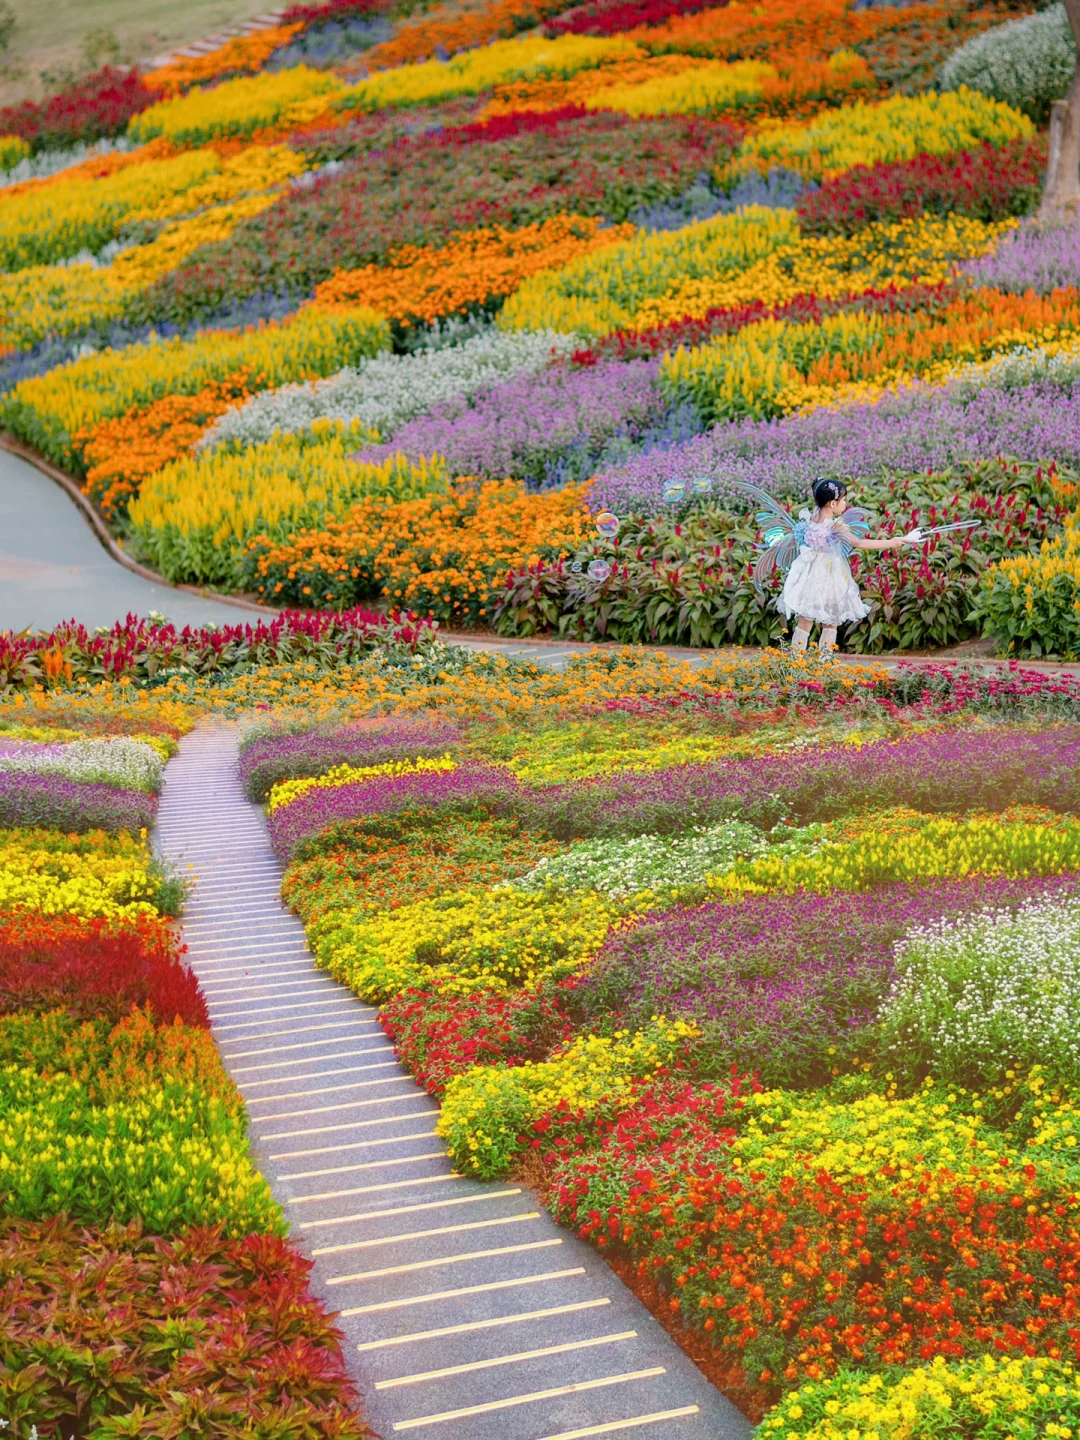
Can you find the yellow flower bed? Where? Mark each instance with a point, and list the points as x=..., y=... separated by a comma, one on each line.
x=471, y=71
x=885, y=253
x=48, y=409
x=486, y=1109
x=194, y=515
x=286, y=791
x=255, y=168
x=708, y=86
x=59, y=220
x=463, y=942
x=13, y=148
x=896, y=129
x=599, y=293
x=61, y=735
x=903, y=845
x=992, y=1396
x=235, y=107
x=84, y=875
x=63, y=299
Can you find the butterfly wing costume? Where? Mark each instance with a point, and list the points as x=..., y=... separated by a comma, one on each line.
x=784, y=537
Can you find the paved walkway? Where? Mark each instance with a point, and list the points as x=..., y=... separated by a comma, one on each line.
x=53, y=567
x=468, y=1314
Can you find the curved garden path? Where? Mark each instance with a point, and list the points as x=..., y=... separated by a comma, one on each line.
x=468, y=1314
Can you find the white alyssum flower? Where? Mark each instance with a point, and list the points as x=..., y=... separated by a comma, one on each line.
x=621, y=867
x=129, y=764
x=974, y=995
x=1027, y=63
x=387, y=390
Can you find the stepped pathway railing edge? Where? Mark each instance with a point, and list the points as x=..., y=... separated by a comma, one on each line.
x=467, y=1313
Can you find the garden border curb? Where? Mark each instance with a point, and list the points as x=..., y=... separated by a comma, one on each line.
x=93, y=519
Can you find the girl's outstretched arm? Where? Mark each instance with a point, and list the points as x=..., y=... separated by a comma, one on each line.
x=913, y=537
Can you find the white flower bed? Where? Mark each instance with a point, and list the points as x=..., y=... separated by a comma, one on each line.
x=129, y=764
x=388, y=390
x=975, y=995
x=624, y=867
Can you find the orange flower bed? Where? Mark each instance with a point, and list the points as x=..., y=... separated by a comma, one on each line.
x=782, y=27
x=121, y=453
x=445, y=556
x=463, y=31
x=243, y=55
x=423, y=282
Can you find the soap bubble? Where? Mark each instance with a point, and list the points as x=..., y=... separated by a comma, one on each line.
x=607, y=524
x=674, y=490
x=599, y=570
x=575, y=568
x=702, y=484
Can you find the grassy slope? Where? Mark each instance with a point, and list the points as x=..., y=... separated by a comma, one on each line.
x=49, y=34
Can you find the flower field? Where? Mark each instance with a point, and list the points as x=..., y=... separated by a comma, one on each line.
x=382, y=306
x=133, y=1222
x=763, y=974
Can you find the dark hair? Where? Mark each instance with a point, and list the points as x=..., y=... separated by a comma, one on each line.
x=826, y=490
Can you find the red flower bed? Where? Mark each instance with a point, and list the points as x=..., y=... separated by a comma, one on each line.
x=96, y=967
x=143, y=648
x=642, y=344
x=331, y=10
x=611, y=18
x=437, y=1036
x=91, y=109
x=197, y=1335
x=988, y=183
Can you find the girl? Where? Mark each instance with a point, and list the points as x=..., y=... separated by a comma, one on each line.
x=819, y=586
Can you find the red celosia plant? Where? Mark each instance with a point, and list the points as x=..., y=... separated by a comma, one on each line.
x=988, y=183
x=104, y=1328
x=96, y=967
x=90, y=109
x=611, y=17
x=438, y=1036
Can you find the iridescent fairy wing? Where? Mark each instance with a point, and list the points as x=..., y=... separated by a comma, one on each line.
x=772, y=515
x=775, y=557
x=858, y=522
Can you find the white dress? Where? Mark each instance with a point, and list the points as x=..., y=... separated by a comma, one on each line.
x=819, y=584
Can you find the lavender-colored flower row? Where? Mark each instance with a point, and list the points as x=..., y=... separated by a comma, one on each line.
x=1038, y=256
x=917, y=429
x=547, y=428
x=269, y=759
x=56, y=803
x=947, y=771
x=787, y=985
x=319, y=815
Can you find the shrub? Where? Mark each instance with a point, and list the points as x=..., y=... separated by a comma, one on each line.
x=1027, y=63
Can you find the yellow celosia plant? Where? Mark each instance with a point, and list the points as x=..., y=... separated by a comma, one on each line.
x=235, y=107
x=471, y=71
x=895, y=129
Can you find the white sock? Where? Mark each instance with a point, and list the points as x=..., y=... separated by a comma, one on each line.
x=828, y=639
x=800, y=639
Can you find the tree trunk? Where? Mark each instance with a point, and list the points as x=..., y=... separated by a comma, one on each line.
x=1062, y=188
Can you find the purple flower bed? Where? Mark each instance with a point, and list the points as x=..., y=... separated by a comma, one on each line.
x=918, y=429
x=947, y=772
x=290, y=756
x=1036, y=257
x=547, y=429
x=56, y=803
x=321, y=817
x=787, y=985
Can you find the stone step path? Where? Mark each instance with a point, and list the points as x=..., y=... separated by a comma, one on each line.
x=468, y=1314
